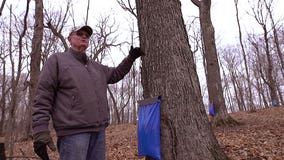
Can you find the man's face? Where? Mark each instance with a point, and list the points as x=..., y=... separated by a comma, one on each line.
x=79, y=40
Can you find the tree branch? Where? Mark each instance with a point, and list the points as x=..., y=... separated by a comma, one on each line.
x=127, y=7
x=56, y=33
x=2, y=7
x=196, y=2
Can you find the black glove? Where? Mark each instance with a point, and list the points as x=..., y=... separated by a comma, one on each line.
x=135, y=52
x=40, y=150
x=41, y=140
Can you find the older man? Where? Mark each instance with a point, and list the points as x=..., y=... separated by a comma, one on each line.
x=72, y=89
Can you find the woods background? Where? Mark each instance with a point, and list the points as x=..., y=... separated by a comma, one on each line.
x=251, y=70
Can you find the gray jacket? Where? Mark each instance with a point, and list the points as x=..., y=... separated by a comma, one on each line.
x=73, y=91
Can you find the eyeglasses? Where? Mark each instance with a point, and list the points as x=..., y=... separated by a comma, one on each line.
x=81, y=34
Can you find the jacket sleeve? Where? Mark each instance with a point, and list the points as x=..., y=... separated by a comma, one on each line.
x=44, y=95
x=117, y=73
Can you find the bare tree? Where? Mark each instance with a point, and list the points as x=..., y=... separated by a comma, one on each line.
x=248, y=86
x=267, y=73
x=269, y=9
x=227, y=92
x=4, y=78
x=115, y=118
x=168, y=70
x=35, y=59
x=4, y=92
x=104, y=37
x=232, y=63
x=121, y=95
x=131, y=8
x=257, y=68
x=57, y=21
x=16, y=74
x=125, y=96
x=276, y=43
x=214, y=83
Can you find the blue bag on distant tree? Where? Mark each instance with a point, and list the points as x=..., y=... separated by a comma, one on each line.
x=275, y=103
x=149, y=128
x=211, y=110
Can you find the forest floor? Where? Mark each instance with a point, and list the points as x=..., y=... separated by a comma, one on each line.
x=259, y=137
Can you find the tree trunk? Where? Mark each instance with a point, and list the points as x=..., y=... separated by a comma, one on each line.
x=168, y=70
x=213, y=76
x=3, y=98
x=250, y=99
x=116, y=118
x=271, y=82
x=35, y=58
x=276, y=41
x=134, y=112
x=257, y=72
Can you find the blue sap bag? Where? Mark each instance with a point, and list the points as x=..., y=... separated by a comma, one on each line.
x=211, y=110
x=149, y=128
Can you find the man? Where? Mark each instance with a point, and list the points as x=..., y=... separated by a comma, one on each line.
x=73, y=91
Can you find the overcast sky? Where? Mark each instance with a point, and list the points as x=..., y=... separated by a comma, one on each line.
x=222, y=12
x=223, y=15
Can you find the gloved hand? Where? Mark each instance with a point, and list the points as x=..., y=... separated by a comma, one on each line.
x=135, y=52
x=42, y=139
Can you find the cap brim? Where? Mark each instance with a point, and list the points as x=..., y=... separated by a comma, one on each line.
x=87, y=29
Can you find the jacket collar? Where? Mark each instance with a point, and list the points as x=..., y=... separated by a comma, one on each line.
x=80, y=56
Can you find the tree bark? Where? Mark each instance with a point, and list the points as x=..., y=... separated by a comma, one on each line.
x=168, y=70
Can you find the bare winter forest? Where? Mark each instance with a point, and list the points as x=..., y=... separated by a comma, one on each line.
x=185, y=62
x=259, y=137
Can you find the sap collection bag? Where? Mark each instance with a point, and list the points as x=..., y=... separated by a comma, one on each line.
x=149, y=128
